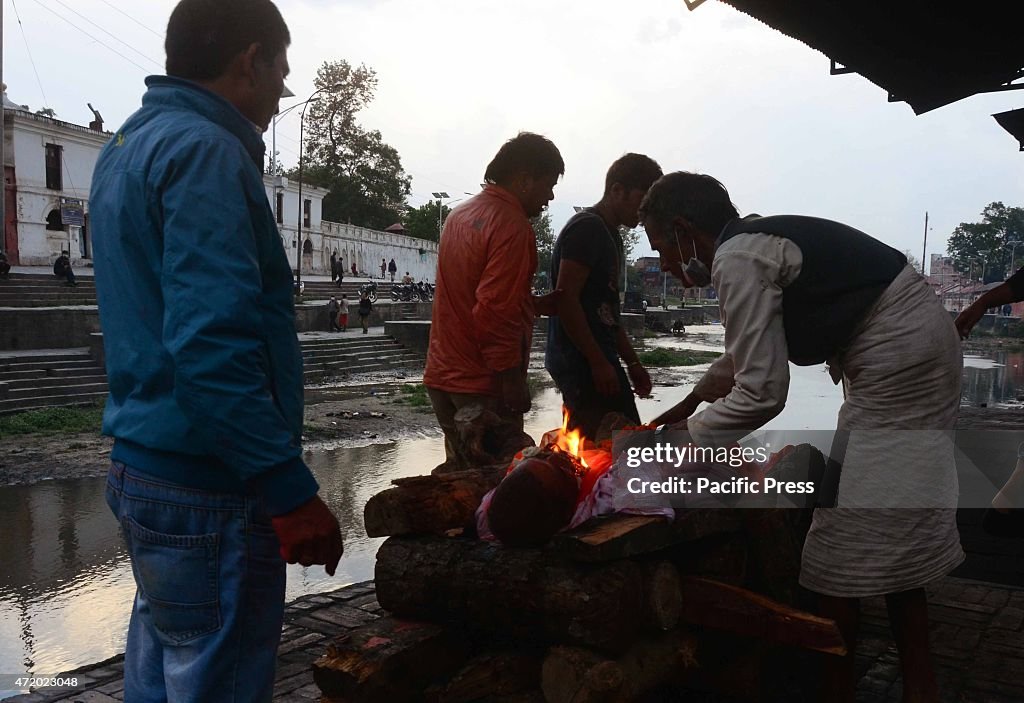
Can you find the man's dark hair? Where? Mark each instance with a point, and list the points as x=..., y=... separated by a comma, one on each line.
x=699, y=198
x=203, y=36
x=632, y=172
x=527, y=153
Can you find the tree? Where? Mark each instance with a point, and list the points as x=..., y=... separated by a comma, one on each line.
x=914, y=262
x=421, y=222
x=630, y=238
x=545, y=246
x=986, y=246
x=273, y=161
x=363, y=175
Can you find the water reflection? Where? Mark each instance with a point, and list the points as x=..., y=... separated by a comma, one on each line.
x=66, y=588
x=994, y=379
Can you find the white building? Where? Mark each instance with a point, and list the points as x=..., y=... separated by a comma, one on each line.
x=48, y=165
x=320, y=238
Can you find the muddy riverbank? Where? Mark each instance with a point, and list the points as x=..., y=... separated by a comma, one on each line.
x=28, y=459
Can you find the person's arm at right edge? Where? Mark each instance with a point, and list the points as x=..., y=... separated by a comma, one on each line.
x=1010, y=291
x=716, y=383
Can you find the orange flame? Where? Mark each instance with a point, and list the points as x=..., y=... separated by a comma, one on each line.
x=568, y=441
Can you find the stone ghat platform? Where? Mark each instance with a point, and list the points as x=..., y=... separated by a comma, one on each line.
x=977, y=631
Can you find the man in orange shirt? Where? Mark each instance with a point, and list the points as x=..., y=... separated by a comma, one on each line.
x=483, y=310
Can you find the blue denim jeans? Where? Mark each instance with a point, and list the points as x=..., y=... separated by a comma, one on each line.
x=209, y=599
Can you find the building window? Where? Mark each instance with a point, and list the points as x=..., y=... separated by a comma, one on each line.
x=54, y=157
x=54, y=223
x=307, y=210
x=280, y=208
x=307, y=247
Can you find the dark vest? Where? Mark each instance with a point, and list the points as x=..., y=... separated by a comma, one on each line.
x=843, y=274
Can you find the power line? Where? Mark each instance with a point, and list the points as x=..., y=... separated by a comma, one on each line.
x=148, y=29
x=109, y=34
x=29, y=50
x=98, y=41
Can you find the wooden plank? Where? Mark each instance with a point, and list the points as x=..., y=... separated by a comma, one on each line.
x=622, y=536
x=732, y=609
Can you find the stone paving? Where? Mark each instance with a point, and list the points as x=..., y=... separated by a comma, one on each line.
x=977, y=636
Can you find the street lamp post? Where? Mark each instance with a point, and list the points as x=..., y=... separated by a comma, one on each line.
x=440, y=208
x=441, y=196
x=302, y=124
x=1013, y=255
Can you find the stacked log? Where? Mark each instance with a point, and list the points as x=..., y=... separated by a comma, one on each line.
x=528, y=595
x=608, y=612
x=430, y=505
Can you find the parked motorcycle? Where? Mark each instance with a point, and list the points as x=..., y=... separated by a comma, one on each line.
x=425, y=290
x=370, y=290
x=405, y=293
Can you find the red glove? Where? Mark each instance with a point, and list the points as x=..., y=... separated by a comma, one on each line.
x=309, y=535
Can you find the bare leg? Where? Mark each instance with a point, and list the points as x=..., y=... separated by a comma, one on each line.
x=908, y=617
x=1006, y=516
x=1011, y=495
x=839, y=674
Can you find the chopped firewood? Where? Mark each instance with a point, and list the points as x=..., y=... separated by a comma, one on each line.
x=388, y=660
x=490, y=674
x=429, y=504
x=621, y=536
x=524, y=594
x=575, y=675
x=731, y=609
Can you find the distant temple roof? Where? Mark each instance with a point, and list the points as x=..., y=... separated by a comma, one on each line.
x=925, y=53
x=397, y=228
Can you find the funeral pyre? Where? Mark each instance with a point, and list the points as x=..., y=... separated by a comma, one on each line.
x=567, y=604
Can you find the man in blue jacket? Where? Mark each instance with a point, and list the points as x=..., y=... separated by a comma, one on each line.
x=203, y=364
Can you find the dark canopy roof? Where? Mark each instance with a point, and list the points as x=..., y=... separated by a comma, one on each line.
x=1013, y=122
x=924, y=52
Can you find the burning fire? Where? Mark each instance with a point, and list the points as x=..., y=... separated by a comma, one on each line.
x=568, y=441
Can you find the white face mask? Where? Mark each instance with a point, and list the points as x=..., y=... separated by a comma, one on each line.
x=697, y=273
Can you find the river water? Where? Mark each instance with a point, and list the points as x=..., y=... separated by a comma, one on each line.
x=66, y=585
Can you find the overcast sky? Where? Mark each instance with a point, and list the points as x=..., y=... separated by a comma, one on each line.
x=710, y=90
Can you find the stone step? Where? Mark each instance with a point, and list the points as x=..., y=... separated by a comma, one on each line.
x=400, y=355
x=70, y=354
x=18, y=405
x=332, y=350
x=46, y=293
x=320, y=373
x=66, y=294
x=350, y=338
x=55, y=381
x=50, y=376
x=38, y=279
x=355, y=359
x=46, y=364
x=60, y=303
x=70, y=390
